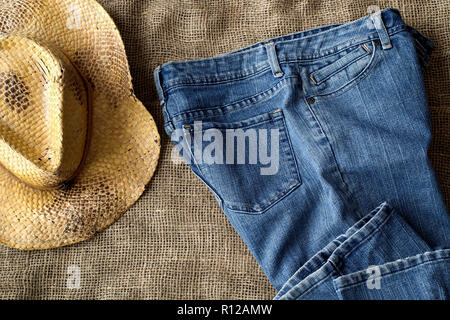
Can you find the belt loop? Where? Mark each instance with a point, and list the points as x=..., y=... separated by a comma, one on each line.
x=159, y=89
x=377, y=20
x=273, y=60
x=162, y=99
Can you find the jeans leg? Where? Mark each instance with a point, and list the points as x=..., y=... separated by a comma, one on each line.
x=368, y=261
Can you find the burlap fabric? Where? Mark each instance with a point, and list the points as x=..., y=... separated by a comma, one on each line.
x=175, y=242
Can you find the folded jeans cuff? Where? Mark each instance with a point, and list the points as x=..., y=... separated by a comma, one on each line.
x=424, y=276
x=381, y=236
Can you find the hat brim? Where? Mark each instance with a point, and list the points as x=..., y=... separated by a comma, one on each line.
x=125, y=143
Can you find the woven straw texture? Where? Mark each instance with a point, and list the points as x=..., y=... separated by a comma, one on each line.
x=175, y=242
x=44, y=111
x=37, y=83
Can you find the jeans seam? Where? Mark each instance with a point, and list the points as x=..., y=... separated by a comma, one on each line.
x=367, y=236
x=333, y=264
x=335, y=267
x=312, y=287
x=288, y=136
x=242, y=104
x=169, y=85
x=344, y=187
x=434, y=261
x=330, y=74
x=296, y=180
x=245, y=74
x=374, y=59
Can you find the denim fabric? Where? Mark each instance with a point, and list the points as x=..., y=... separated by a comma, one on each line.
x=348, y=110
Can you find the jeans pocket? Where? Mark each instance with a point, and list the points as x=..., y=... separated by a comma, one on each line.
x=249, y=165
x=335, y=74
x=323, y=74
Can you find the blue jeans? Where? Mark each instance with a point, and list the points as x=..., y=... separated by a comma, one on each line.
x=330, y=187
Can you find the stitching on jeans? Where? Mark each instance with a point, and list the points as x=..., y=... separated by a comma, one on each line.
x=313, y=80
x=363, y=75
x=249, y=73
x=245, y=74
x=346, y=189
x=279, y=195
x=222, y=126
x=292, y=153
x=371, y=37
x=175, y=83
x=298, y=295
x=243, y=103
x=366, y=238
x=327, y=28
x=331, y=74
x=318, y=262
x=434, y=261
x=366, y=47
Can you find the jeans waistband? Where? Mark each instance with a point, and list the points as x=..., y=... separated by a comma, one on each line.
x=306, y=45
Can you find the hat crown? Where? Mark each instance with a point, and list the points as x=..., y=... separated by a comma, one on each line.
x=43, y=113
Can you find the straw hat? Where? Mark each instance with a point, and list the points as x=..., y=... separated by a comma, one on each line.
x=76, y=146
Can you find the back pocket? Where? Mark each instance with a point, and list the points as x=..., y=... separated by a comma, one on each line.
x=249, y=165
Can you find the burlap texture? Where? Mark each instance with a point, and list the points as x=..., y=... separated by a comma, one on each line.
x=175, y=243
